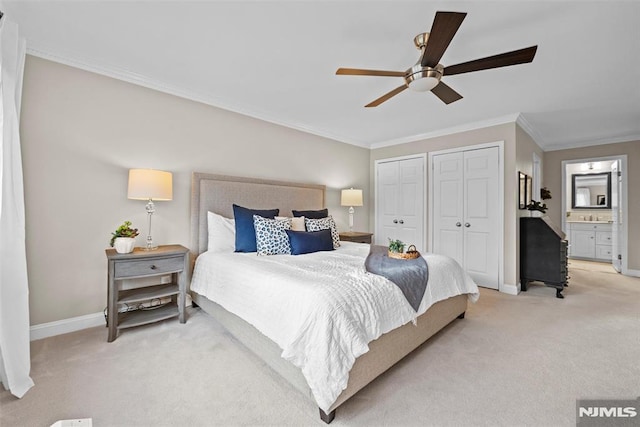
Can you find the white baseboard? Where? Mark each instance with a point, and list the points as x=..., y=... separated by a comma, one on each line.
x=65, y=326
x=507, y=288
x=634, y=273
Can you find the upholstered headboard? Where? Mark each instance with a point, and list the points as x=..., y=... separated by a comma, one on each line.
x=217, y=193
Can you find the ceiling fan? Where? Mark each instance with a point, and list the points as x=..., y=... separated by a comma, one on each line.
x=426, y=73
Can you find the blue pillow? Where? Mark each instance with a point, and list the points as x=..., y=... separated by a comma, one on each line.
x=245, y=230
x=322, y=213
x=306, y=242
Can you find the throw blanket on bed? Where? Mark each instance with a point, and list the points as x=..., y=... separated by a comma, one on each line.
x=410, y=275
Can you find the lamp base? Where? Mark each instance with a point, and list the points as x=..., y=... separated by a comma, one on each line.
x=351, y=212
x=150, y=245
x=150, y=208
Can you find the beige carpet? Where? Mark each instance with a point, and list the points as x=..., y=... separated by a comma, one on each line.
x=513, y=361
x=603, y=267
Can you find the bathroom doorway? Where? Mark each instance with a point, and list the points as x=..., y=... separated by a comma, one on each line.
x=594, y=201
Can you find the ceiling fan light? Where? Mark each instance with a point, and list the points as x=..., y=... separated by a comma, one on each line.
x=423, y=79
x=423, y=84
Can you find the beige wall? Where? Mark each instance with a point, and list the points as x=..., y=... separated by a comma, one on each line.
x=81, y=132
x=525, y=147
x=553, y=180
x=505, y=133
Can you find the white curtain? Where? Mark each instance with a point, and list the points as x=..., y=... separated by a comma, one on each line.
x=583, y=196
x=15, y=358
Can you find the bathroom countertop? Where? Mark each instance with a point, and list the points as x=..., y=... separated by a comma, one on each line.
x=590, y=222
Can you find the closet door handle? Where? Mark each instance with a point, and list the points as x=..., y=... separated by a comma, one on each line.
x=466, y=224
x=395, y=221
x=458, y=224
x=401, y=221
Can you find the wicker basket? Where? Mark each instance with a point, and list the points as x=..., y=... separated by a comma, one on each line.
x=411, y=253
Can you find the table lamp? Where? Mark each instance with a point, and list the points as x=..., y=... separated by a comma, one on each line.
x=351, y=197
x=150, y=185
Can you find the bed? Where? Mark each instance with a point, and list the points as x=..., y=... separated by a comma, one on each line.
x=216, y=193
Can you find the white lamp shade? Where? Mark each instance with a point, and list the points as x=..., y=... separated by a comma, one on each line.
x=145, y=184
x=351, y=197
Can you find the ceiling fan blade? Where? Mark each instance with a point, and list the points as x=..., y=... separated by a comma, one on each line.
x=445, y=93
x=445, y=25
x=515, y=57
x=386, y=96
x=360, y=72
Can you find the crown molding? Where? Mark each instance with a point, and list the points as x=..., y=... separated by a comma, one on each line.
x=531, y=131
x=140, y=80
x=581, y=144
x=510, y=118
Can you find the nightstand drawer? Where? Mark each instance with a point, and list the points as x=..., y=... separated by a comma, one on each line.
x=148, y=267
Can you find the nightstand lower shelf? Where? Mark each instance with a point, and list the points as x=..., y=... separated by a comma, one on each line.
x=130, y=319
x=147, y=293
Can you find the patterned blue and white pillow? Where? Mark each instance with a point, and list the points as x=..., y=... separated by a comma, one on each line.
x=271, y=237
x=324, y=224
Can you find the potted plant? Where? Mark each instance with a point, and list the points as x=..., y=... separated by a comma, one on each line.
x=124, y=238
x=396, y=246
x=396, y=249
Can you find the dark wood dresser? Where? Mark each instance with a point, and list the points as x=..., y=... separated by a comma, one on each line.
x=543, y=254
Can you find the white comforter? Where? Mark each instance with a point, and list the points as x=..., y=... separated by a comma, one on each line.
x=323, y=308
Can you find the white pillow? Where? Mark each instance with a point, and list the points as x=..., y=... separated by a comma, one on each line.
x=222, y=233
x=297, y=223
x=324, y=224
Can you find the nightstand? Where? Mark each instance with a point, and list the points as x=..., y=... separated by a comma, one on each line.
x=141, y=264
x=356, y=236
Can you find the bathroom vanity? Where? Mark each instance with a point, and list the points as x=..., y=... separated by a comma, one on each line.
x=589, y=240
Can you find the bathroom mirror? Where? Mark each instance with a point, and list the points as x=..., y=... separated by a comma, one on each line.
x=591, y=191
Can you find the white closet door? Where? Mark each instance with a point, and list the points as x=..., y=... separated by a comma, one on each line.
x=481, y=216
x=387, y=203
x=411, y=202
x=448, y=206
x=400, y=202
x=466, y=213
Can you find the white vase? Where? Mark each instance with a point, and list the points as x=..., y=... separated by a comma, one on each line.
x=124, y=245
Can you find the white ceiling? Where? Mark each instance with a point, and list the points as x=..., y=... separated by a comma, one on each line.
x=276, y=60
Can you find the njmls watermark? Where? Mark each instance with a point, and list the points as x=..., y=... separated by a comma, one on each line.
x=605, y=413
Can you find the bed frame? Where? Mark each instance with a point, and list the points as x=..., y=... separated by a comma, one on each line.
x=217, y=193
